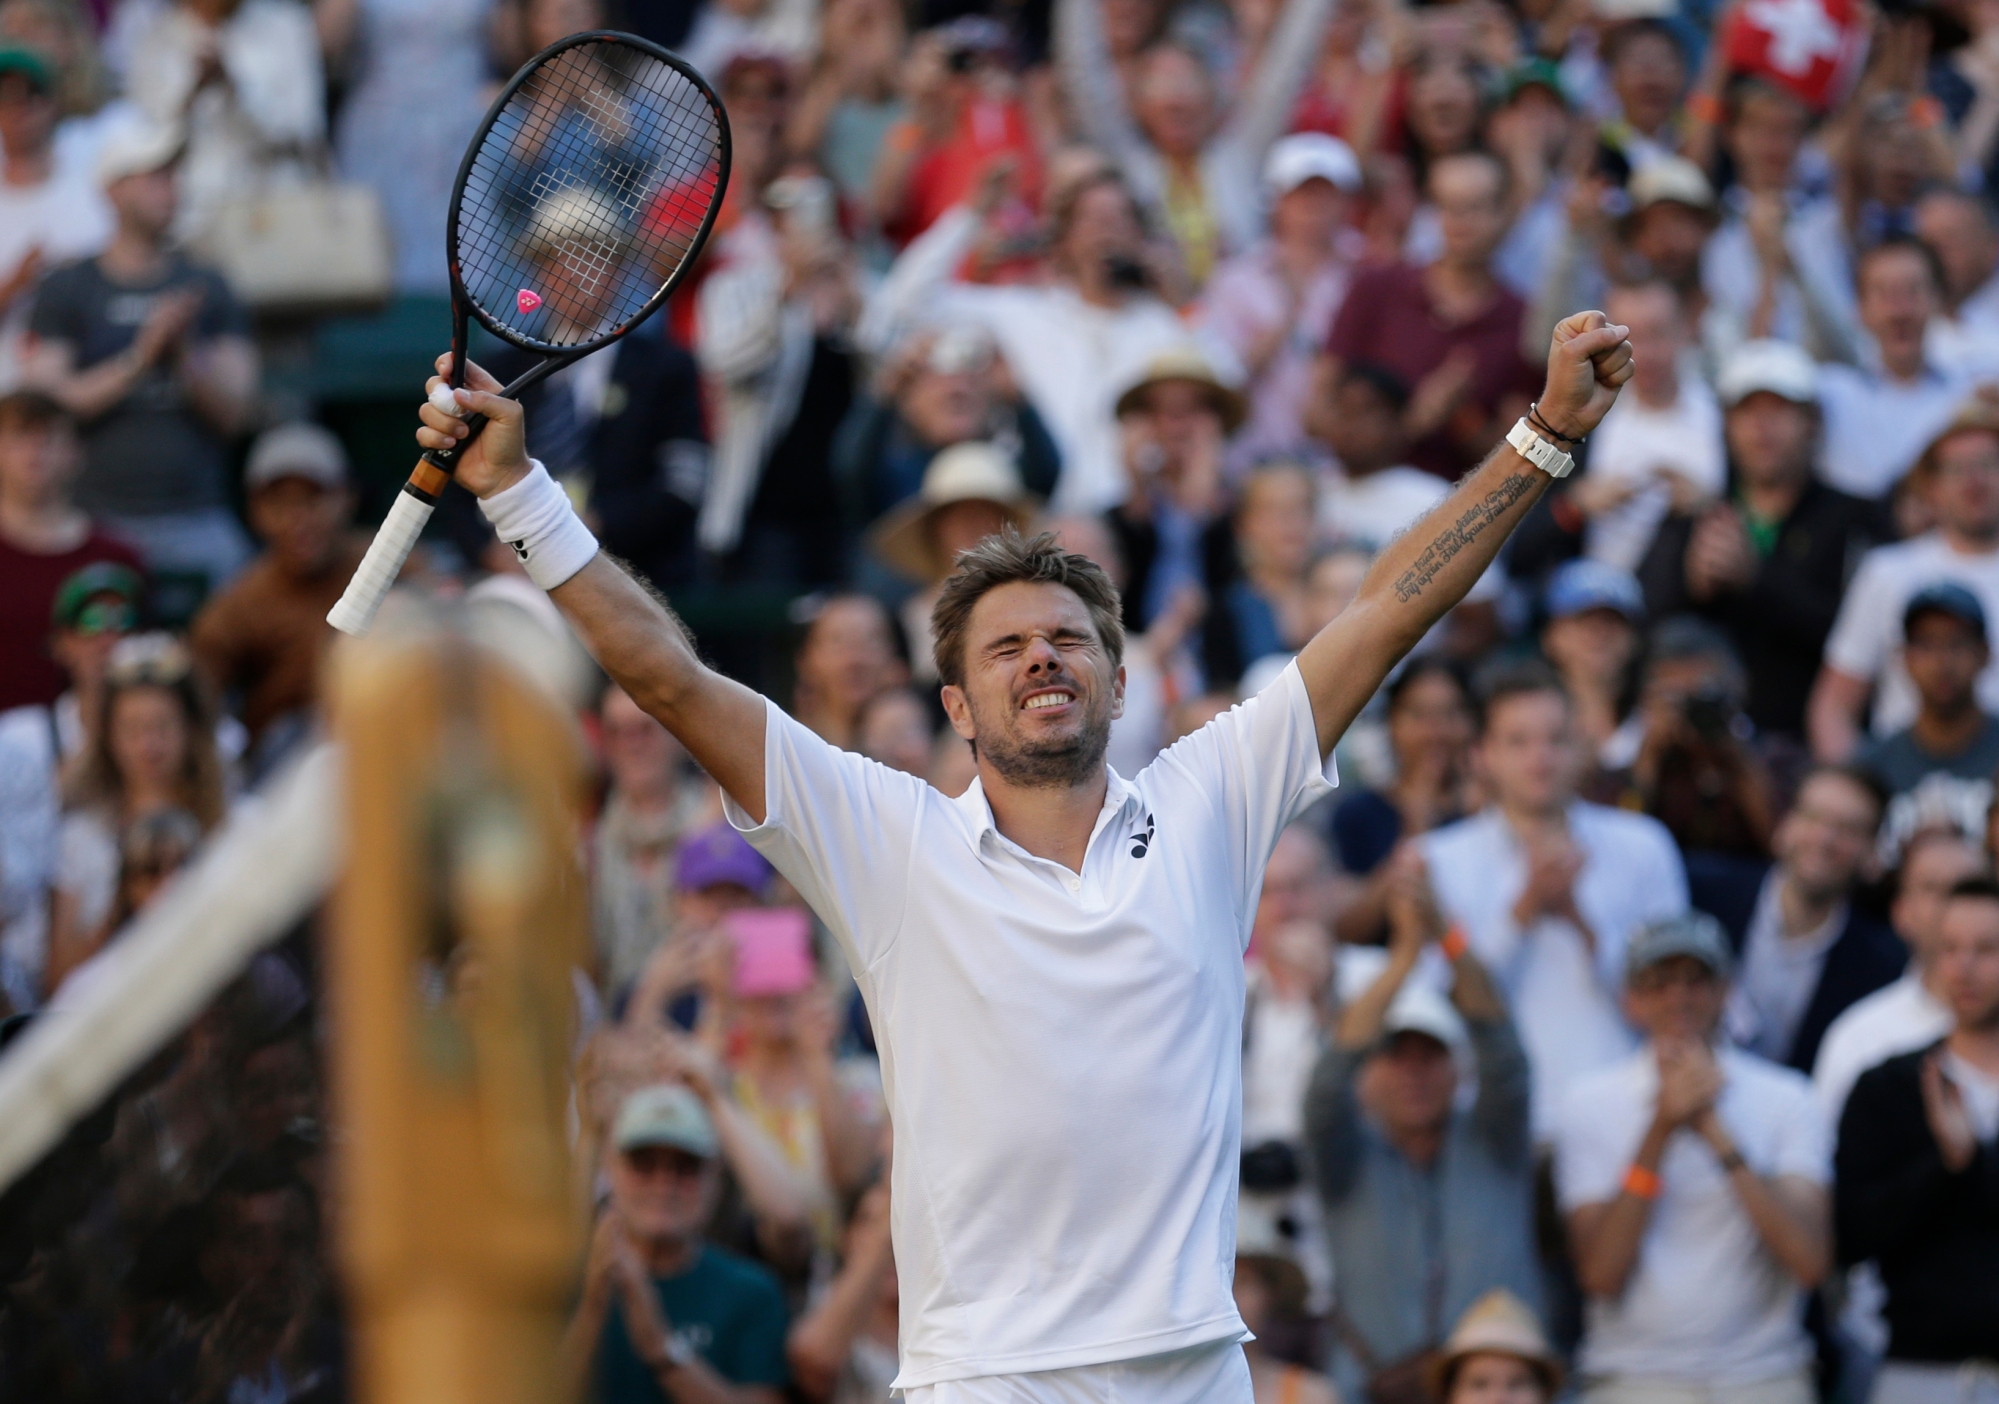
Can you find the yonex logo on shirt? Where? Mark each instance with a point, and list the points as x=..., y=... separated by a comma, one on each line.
x=1141, y=842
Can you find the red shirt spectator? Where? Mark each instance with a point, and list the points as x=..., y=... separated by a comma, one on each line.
x=44, y=540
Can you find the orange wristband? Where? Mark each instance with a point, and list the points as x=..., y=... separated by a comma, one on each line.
x=1641, y=1183
x=1453, y=944
x=1706, y=107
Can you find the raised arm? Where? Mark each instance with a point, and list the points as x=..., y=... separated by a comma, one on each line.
x=1429, y=568
x=627, y=627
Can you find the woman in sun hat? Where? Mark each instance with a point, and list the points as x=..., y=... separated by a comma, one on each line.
x=1496, y=1354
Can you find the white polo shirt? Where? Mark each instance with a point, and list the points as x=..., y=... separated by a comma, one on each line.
x=1706, y=1301
x=1061, y=1052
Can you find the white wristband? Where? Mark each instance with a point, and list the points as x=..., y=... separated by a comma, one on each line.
x=535, y=518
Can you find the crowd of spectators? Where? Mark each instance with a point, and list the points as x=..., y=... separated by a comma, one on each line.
x=1627, y=1022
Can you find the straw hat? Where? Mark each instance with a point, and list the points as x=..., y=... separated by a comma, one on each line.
x=1190, y=364
x=974, y=471
x=1979, y=412
x=1498, y=1323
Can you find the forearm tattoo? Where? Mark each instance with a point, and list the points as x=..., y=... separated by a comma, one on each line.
x=1461, y=533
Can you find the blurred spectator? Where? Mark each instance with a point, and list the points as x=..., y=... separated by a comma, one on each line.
x=1770, y=563
x=1779, y=262
x=1430, y=735
x=1917, y=1145
x=1591, y=638
x=1960, y=474
x=773, y=340
x=49, y=213
x=1878, y=419
x=1071, y=343
x=1428, y=1207
x=939, y=388
x=44, y=541
x=850, y=101
x=151, y=747
x=716, y=872
x=1805, y=953
x=1698, y=770
x=243, y=79
x=65, y=36
x=896, y=729
x=784, y=31
x=843, y=1349
x=1290, y=998
x=1272, y=1296
x=414, y=85
x=1646, y=63
x=1547, y=888
x=779, y=1035
x=1172, y=527
x=1940, y=769
x=1661, y=441
x=1958, y=227
x=1910, y=1013
x=1449, y=330
x=1694, y=1176
x=1264, y=612
x=95, y=607
x=1274, y=303
x=970, y=491
x=1497, y=1351
x=148, y=351
x=1193, y=167
x=628, y=426
x=261, y=638
x=664, y=1313
x=963, y=123
x=1531, y=131
x=848, y=654
x=1671, y=212
x=651, y=805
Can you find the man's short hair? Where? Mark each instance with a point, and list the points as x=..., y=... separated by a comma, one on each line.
x=1900, y=243
x=1859, y=777
x=1621, y=36
x=31, y=410
x=1982, y=888
x=1516, y=679
x=1386, y=383
x=1003, y=559
x=1502, y=173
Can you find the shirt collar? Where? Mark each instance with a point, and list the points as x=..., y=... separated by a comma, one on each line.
x=978, y=810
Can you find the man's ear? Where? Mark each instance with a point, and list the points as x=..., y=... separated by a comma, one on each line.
x=1117, y=694
x=959, y=711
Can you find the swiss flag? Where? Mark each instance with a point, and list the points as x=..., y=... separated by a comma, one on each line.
x=1812, y=47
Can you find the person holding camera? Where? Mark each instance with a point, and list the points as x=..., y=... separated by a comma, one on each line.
x=1427, y=1206
x=1696, y=771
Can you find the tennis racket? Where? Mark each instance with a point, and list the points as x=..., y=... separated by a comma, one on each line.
x=581, y=203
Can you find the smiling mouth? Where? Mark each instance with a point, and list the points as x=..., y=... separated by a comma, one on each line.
x=1047, y=699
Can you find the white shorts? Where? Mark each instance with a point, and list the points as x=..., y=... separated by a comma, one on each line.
x=1214, y=1373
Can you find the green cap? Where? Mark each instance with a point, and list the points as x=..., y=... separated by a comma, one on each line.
x=76, y=594
x=666, y=1114
x=1536, y=72
x=32, y=65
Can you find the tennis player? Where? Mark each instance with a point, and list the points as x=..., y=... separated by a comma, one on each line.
x=1053, y=962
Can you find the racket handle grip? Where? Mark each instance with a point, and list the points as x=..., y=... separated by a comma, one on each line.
x=355, y=612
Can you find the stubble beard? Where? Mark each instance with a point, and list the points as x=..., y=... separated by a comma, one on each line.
x=1049, y=765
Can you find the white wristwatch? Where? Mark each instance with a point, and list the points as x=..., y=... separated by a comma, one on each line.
x=1538, y=451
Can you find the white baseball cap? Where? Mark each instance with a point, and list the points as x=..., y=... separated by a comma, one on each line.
x=1307, y=156
x=296, y=450
x=1776, y=366
x=136, y=146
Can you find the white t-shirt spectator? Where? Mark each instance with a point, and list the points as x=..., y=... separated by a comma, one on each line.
x=1565, y=1002
x=1896, y=1019
x=1706, y=1301
x=1061, y=1051
x=63, y=219
x=1866, y=639
x=1876, y=428
x=1641, y=444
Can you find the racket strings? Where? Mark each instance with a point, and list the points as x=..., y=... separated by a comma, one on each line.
x=587, y=194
